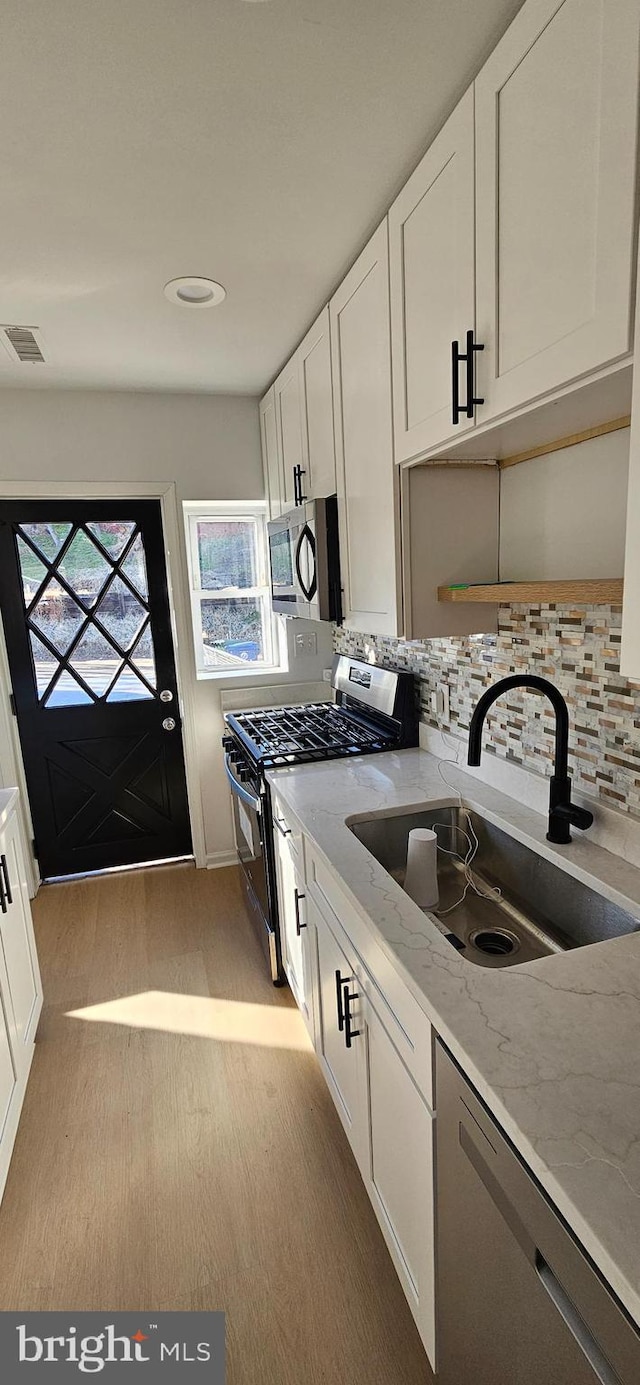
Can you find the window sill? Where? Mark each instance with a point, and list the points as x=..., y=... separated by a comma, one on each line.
x=244, y=675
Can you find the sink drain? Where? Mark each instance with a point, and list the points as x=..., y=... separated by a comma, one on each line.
x=495, y=942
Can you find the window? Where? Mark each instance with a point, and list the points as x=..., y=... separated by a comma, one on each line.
x=232, y=621
x=87, y=610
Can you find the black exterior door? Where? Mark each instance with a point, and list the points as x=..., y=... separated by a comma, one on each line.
x=83, y=591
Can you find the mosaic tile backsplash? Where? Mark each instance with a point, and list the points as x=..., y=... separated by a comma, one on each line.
x=578, y=649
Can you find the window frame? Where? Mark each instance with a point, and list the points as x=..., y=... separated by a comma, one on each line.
x=248, y=512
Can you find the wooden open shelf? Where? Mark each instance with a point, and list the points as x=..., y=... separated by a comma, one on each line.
x=607, y=590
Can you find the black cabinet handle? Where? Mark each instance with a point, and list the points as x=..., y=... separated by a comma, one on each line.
x=297, y=896
x=298, y=473
x=349, y=1032
x=7, y=884
x=472, y=397
x=284, y=831
x=455, y=382
x=468, y=357
x=339, y=984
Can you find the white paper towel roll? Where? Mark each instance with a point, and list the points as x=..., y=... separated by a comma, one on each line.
x=421, y=879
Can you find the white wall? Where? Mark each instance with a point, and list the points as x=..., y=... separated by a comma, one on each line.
x=210, y=446
x=563, y=515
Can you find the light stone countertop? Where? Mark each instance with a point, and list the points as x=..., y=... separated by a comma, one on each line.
x=553, y=1046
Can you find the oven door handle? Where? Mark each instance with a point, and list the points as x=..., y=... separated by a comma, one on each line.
x=239, y=789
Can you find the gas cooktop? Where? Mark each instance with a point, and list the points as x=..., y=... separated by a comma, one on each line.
x=375, y=709
x=318, y=730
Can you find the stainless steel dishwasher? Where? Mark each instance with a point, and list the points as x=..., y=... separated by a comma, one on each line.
x=519, y=1302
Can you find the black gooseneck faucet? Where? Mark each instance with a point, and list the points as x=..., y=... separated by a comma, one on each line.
x=562, y=812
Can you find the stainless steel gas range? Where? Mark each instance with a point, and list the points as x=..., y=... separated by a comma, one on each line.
x=375, y=710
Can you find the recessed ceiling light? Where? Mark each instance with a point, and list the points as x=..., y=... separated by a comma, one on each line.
x=192, y=291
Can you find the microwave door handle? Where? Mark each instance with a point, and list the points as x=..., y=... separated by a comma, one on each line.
x=311, y=542
x=239, y=789
x=301, y=582
x=308, y=589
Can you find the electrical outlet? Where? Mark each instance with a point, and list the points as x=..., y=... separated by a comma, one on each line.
x=440, y=703
x=326, y=675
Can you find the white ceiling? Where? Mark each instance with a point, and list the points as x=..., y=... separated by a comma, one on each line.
x=256, y=143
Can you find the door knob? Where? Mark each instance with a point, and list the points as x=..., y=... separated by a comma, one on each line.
x=169, y=724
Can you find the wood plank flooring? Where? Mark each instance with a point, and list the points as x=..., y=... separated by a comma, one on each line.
x=158, y=1168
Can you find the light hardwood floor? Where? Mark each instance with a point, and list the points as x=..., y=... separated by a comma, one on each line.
x=185, y=1153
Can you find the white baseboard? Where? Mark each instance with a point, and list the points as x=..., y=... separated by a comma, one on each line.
x=615, y=831
x=215, y=859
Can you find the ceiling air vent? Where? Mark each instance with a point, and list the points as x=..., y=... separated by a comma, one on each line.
x=22, y=344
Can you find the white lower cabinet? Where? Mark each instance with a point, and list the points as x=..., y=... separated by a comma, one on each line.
x=339, y=1050
x=387, y=1119
x=22, y=992
x=20, y=986
x=7, y=1076
x=400, y=1174
x=294, y=933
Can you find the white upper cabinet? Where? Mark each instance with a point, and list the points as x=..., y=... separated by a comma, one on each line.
x=271, y=462
x=316, y=410
x=366, y=484
x=296, y=420
x=432, y=267
x=289, y=429
x=556, y=118
x=630, y=646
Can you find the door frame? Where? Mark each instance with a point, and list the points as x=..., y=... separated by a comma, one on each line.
x=180, y=611
x=12, y=768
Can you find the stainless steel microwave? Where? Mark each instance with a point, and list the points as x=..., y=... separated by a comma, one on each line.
x=304, y=561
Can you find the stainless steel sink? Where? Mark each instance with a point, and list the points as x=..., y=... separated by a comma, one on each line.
x=540, y=908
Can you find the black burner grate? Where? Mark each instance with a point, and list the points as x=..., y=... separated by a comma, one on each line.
x=316, y=729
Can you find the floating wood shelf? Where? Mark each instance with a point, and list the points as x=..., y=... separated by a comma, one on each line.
x=607, y=590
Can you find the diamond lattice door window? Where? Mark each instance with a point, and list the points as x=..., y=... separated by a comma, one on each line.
x=86, y=611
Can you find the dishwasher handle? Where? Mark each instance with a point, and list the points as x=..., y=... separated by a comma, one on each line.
x=564, y=1305
x=600, y=1366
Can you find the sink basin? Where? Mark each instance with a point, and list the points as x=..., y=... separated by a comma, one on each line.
x=539, y=909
